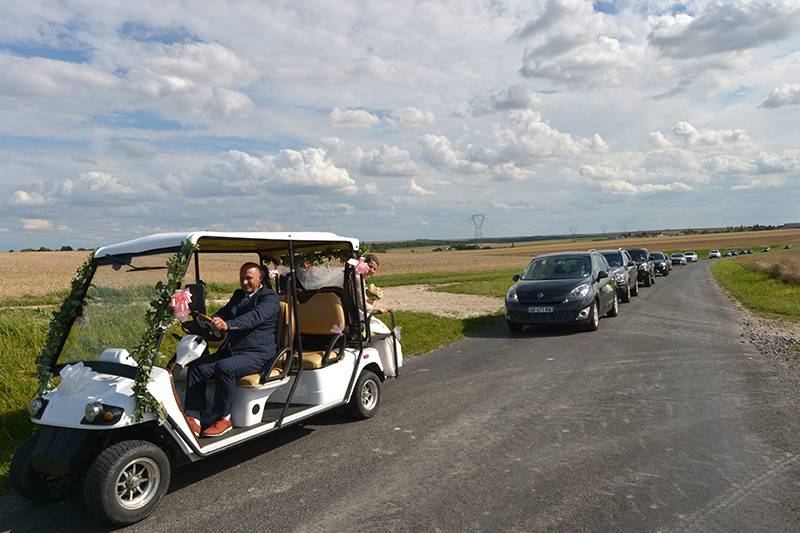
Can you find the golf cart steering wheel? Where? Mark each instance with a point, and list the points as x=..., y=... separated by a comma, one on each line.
x=209, y=333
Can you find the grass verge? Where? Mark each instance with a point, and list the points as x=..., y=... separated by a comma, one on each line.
x=759, y=291
x=423, y=332
x=438, y=278
x=22, y=335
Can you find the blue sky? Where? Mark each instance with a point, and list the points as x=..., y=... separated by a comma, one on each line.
x=386, y=120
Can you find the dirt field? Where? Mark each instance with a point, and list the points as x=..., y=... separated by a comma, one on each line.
x=782, y=264
x=399, y=261
x=35, y=273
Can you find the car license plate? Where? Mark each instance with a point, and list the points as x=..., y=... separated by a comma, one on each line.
x=541, y=309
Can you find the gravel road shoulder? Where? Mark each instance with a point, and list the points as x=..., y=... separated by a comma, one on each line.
x=420, y=298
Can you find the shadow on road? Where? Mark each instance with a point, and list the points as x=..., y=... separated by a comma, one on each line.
x=494, y=327
x=71, y=514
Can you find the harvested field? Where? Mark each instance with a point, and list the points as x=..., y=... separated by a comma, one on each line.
x=38, y=273
x=401, y=261
x=780, y=264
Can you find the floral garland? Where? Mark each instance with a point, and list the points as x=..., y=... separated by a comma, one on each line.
x=159, y=318
x=70, y=309
x=319, y=257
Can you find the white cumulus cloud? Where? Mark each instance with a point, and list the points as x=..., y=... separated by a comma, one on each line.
x=36, y=224
x=785, y=94
x=358, y=118
x=411, y=116
x=414, y=188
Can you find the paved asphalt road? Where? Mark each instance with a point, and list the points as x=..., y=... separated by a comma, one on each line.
x=660, y=421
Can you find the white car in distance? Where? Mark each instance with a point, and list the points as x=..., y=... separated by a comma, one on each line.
x=691, y=257
x=678, y=258
x=714, y=254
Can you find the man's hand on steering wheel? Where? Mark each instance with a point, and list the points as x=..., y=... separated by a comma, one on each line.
x=219, y=324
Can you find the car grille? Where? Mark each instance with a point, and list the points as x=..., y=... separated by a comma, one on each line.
x=548, y=298
x=558, y=316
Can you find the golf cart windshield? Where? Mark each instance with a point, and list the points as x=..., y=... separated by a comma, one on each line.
x=115, y=308
x=558, y=267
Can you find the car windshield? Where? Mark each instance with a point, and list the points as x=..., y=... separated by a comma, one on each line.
x=614, y=258
x=688, y=253
x=115, y=309
x=558, y=267
x=657, y=256
x=677, y=255
x=638, y=255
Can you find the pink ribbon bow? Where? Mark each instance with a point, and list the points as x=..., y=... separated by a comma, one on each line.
x=179, y=301
x=360, y=266
x=272, y=274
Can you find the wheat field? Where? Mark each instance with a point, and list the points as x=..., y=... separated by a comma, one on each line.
x=38, y=273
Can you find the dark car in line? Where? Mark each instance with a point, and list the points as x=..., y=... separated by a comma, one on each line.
x=562, y=288
x=622, y=269
x=661, y=262
x=646, y=267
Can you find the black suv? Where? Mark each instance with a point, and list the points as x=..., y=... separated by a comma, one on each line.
x=623, y=272
x=646, y=267
x=662, y=262
x=563, y=287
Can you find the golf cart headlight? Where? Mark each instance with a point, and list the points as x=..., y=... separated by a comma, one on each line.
x=578, y=293
x=92, y=411
x=36, y=407
x=511, y=295
x=101, y=414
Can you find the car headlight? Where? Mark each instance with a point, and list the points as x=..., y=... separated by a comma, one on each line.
x=511, y=295
x=642, y=266
x=619, y=278
x=578, y=293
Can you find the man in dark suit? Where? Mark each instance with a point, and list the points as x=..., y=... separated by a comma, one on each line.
x=249, y=319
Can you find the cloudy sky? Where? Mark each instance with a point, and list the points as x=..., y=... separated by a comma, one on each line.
x=391, y=120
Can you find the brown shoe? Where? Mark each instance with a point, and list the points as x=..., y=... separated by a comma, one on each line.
x=193, y=425
x=218, y=428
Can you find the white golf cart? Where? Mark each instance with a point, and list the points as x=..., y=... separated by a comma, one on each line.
x=327, y=358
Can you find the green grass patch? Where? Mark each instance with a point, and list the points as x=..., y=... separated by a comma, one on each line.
x=22, y=336
x=51, y=298
x=758, y=291
x=494, y=288
x=423, y=332
x=438, y=278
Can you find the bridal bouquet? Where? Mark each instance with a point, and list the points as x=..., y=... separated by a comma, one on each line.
x=374, y=292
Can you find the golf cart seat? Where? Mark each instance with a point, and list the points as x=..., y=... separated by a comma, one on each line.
x=321, y=316
x=278, y=369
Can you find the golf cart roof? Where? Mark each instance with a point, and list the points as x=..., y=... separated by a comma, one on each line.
x=229, y=241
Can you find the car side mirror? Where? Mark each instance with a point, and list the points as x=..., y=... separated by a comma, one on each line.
x=631, y=263
x=602, y=274
x=515, y=277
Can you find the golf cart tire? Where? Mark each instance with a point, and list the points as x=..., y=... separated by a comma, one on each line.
x=366, y=397
x=100, y=491
x=514, y=327
x=29, y=483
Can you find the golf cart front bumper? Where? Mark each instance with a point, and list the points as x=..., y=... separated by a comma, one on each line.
x=64, y=451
